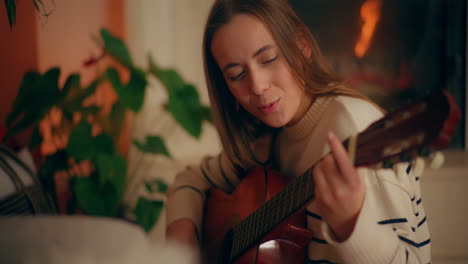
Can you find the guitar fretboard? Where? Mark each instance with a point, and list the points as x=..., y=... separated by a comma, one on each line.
x=295, y=195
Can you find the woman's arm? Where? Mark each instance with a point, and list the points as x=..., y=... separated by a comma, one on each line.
x=186, y=196
x=183, y=232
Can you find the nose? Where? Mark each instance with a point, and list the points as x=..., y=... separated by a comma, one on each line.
x=259, y=81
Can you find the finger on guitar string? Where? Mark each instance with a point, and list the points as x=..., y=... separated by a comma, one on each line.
x=347, y=171
x=321, y=188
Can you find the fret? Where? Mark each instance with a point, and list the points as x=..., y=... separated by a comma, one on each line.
x=235, y=241
x=249, y=230
x=256, y=223
x=277, y=208
x=240, y=240
x=238, y=236
x=283, y=202
x=253, y=226
x=290, y=202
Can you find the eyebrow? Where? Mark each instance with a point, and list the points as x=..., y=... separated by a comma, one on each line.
x=257, y=53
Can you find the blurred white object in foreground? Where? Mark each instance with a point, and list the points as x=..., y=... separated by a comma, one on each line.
x=81, y=239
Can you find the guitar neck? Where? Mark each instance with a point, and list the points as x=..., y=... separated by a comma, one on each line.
x=294, y=196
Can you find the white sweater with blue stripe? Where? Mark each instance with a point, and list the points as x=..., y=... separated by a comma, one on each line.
x=392, y=225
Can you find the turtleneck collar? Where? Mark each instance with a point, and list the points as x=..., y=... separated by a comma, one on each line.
x=304, y=126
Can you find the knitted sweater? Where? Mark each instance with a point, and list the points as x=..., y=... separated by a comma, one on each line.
x=391, y=227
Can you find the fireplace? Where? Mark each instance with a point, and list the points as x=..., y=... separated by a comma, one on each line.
x=394, y=51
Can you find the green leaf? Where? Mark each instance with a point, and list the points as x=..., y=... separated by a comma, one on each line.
x=133, y=93
x=11, y=12
x=154, y=145
x=156, y=186
x=104, y=143
x=112, y=169
x=114, y=78
x=37, y=92
x=36, y=138
x=184, y=105
x=49, y=90
x=189, y=118
x=116, y=48
x=53, y=163
x=89, y=110
x=184, y=102
x=92, y=87
x=81, y=143
x=29, y=80
x=37, y=3
x=36, y=95
x=96, y=199
x=170, y=79
x=189, y=94
x=72, y=82
x=147, y=212
x=74, y=97
x=28, y=119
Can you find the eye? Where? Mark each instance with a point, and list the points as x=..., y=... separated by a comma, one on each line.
x=237, y=77
x=270, y=60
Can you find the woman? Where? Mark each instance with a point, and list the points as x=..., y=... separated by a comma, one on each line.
x=276, y=104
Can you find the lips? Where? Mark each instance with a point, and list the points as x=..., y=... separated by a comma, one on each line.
x=270, y=107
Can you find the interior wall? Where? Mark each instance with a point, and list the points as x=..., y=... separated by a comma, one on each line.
x=65, y=37
x=18, y=53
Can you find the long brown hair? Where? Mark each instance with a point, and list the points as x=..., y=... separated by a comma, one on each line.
x=238, y=128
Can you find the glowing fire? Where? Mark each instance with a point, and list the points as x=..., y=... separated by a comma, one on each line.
x=370, y=14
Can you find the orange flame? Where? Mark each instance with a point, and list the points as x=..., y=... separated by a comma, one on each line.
x=370, y=14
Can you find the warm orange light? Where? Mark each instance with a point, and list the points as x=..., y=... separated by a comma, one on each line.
x=370, y=14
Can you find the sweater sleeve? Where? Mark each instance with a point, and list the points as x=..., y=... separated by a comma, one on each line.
x=392, y=225
x=186, y=195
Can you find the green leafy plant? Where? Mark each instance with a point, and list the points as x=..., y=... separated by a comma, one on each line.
x=101, y=192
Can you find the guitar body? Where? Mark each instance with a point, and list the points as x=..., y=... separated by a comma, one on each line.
x=286, y=243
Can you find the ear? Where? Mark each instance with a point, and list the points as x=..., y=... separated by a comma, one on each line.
x=304, y=45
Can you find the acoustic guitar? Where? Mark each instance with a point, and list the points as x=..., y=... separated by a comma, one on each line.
x=264, y=220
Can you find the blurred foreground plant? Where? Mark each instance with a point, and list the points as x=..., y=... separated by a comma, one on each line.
x=101, y=191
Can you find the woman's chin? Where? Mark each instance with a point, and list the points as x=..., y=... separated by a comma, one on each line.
x=274, y=122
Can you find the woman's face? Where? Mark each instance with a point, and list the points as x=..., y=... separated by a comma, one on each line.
x=257, y=74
